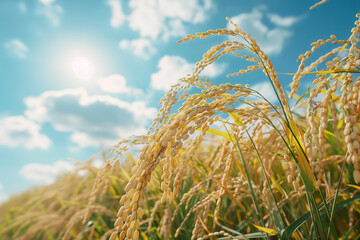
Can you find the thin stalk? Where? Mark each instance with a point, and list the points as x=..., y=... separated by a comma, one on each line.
x=311, y=197
x=314, y=222
x=325, y=204
x=312, y=230
x=311, y=200
x=257, y=208
x=232, y=231
x=258, y=212
x=336, y=195
x=331, y=225
x=267, y=180
x=352, y=229
x=317, y=216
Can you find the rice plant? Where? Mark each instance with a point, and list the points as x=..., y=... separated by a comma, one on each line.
x=226, y=164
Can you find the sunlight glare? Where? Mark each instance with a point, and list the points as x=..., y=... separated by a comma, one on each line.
x=82, y=67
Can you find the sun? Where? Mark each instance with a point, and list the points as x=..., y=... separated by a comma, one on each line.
x=82, y=67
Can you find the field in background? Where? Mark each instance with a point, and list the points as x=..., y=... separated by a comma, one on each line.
x=226, y=164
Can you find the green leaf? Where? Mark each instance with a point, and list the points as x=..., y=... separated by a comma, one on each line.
x=301, y=220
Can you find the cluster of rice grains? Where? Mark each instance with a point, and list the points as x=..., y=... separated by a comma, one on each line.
x=176, y=141
x=183, y=143
x=336, y=89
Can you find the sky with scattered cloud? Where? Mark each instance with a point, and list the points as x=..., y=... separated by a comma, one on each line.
x=77, y=74
x=271, y=39
x=17, y=48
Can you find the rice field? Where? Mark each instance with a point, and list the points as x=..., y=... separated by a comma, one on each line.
x=222, y=161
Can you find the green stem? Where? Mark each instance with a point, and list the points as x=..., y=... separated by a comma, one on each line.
x=336, y=195
x=257, y=208
x=317, y=219
x=268, y=182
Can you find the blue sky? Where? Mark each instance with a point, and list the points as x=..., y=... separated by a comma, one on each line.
x=77, y=73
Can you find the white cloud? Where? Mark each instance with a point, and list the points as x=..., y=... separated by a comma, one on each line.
x=90, y=119
x=19, y=131
x=141, y=47
x=156, y=20
x=214, y=69
x=282, y=21
x=3, y=197
x=17, y=47
x=145, y=18
x=185, y=10
x=271, y=41
x=153, y=18
x=46, y=2
x=96, y=163
x=50, y=10
x=45, y=173
x=172, y=68
x=22, y=7
x=265, y=89
x=117, y=15
x=38, y=173
x=175, y=28
x=116, y=83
